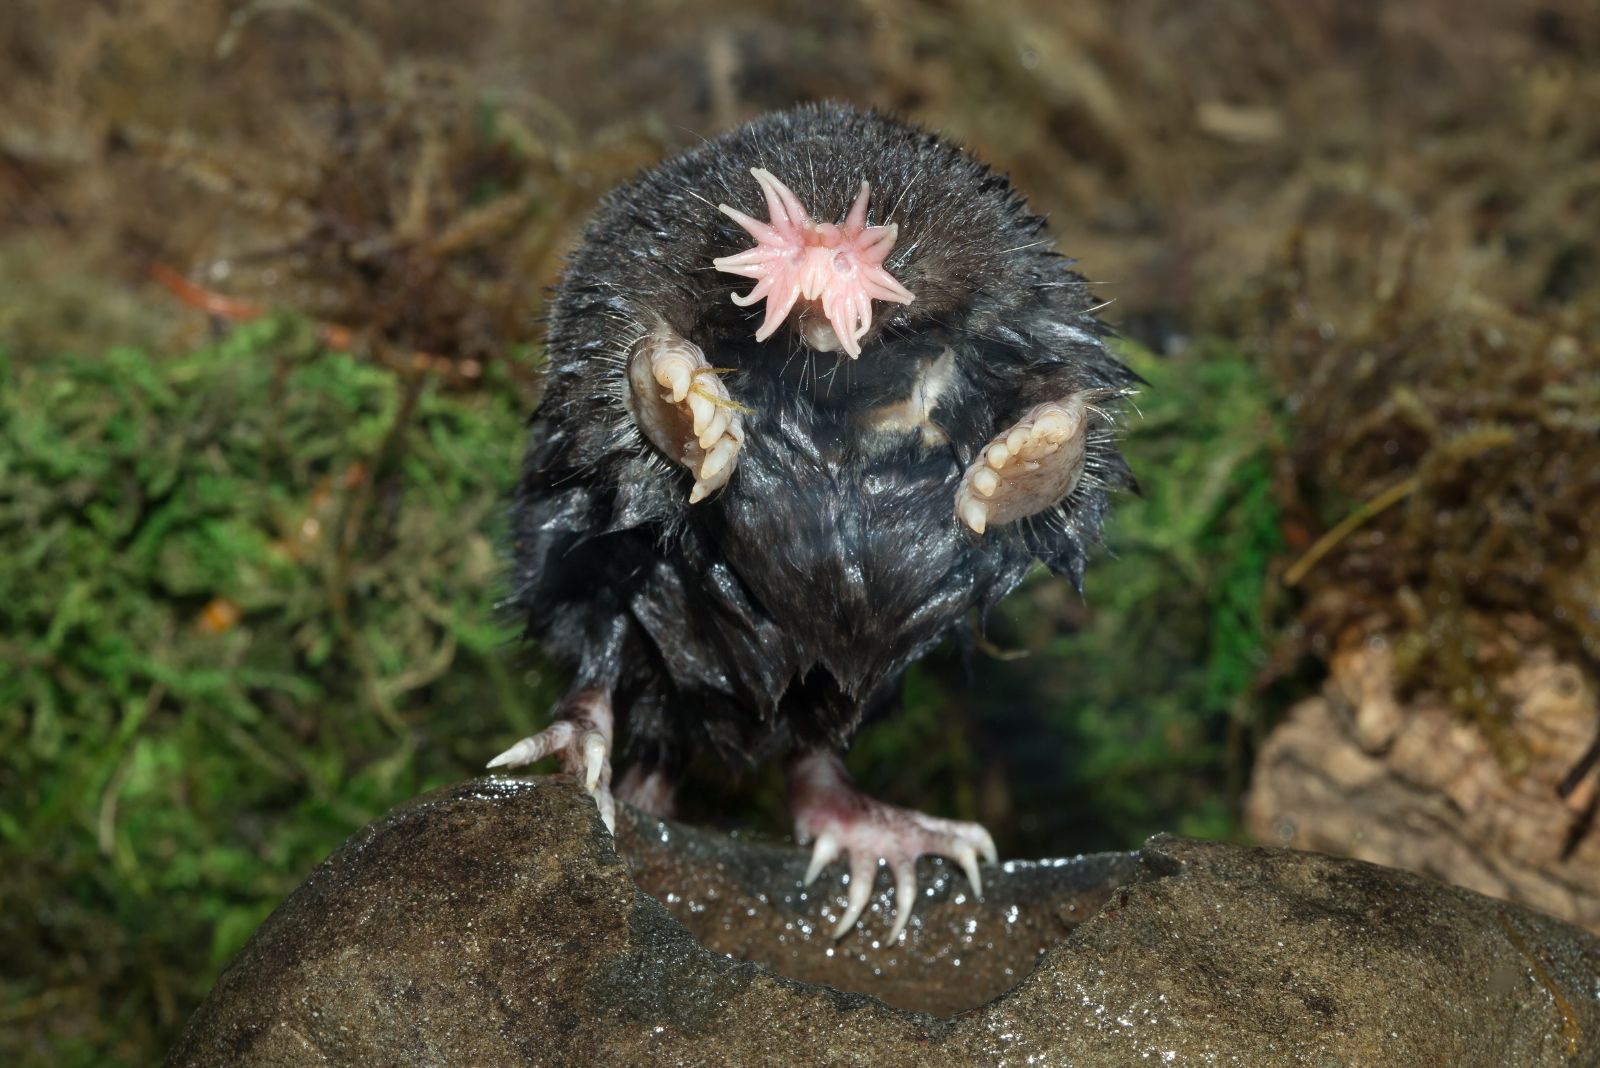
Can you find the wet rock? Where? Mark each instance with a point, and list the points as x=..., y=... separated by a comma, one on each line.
x=493, y=923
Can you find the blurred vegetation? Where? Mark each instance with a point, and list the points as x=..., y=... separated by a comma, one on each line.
x=246, y=606
x=247, y=559
x=1160, y=738
x=1447, y=443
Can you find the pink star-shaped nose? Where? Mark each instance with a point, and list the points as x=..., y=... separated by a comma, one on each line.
x=840, y=266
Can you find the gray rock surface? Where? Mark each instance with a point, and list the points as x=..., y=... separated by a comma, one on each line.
x=493, y=923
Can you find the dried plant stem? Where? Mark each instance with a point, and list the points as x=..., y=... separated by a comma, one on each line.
x=1325, y=544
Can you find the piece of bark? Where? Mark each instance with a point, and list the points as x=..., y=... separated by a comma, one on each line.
x=1357, y=773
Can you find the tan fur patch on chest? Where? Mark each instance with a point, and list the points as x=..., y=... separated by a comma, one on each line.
x=915, y=413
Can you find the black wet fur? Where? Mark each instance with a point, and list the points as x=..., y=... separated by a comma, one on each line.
x=786, y=607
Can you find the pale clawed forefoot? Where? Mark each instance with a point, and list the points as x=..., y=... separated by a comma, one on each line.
x=679, y=403
x=1028, y=467
x=837, y=818
x=581, y=739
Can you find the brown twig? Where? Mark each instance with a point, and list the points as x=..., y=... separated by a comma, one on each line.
x=336, y=337
x=1325, y=544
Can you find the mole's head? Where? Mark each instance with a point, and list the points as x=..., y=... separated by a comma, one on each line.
x=850, y=226
x=819, y=232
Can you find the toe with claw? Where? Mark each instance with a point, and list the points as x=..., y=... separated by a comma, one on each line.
x=581, y=739
x=837, y=818
x=1027, y=468
x=679, y=402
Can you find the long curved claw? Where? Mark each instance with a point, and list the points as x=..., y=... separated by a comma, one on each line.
x=905, y=896
x=581, y=738
x=986, y=848
x=596, y=749
x=701, y=409
x=822, y=854
x=554, y=738
x=863, y=870
x=967, y=857
x=608, y=808
x=675, y=376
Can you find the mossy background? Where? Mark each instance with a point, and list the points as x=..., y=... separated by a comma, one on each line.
x=247, y=608
x=248, y=532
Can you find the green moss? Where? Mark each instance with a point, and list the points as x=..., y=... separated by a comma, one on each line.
x=245, y=600
x=1161, y=674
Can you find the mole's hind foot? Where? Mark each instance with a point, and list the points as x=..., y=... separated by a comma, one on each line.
x=1026, y=468
x=581, y=738
x=832, y=813
x=650, y=791
x=679, y=403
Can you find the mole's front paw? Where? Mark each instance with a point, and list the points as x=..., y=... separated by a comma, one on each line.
x=680, y=404
x=1027, y=468
x=581, y=738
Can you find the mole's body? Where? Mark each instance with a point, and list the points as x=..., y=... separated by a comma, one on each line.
x=739, y=524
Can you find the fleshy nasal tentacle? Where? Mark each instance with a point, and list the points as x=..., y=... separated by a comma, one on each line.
x=839, y=267
x=857, y=219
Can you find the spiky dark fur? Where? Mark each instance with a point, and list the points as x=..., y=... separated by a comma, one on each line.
x=786, y=607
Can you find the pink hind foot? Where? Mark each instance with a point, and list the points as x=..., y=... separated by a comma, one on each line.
x=832, y=813
x=581, y=739
x=651, y=792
